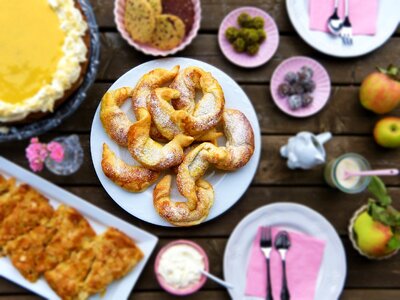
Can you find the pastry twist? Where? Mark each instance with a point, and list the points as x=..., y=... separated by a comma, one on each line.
x=114, y=120
x=178, y=213
x=131, y=178
x=207, y=112
x=148, y=152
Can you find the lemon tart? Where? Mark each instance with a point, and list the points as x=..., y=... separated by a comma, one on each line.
x=43, y=56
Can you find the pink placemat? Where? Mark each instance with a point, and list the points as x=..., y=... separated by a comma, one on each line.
x=363, y=15
x=303, y=261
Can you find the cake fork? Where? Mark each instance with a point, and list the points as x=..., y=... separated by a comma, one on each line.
x=266, y=247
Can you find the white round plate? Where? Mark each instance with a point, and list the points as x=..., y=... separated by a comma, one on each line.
x=294, y=217
x=388, y=20
x=228, y=187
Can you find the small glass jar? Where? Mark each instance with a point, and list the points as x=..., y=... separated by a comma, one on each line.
x=73, y=156
x=334, y=173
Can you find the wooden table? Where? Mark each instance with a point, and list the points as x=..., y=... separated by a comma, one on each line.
x=343, y=116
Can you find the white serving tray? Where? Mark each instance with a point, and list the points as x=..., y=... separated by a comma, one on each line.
x=100, y=221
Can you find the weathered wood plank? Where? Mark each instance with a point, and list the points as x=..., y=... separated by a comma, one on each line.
x=333, y=205
x=272, y=168
x=342, y=115
x=213, y=11
x=118, y=57
x=361, y=272
x=349, y=294
x=337, y=207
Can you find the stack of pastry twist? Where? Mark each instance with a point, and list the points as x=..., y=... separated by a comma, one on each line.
x=174, y=131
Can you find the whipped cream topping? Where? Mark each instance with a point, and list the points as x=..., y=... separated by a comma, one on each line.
x=68, y=69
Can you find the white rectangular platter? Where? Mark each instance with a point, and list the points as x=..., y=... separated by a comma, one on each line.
x=100, y=221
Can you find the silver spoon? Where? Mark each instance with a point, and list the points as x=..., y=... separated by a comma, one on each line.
x=335, y=24
x=282, y=244
x=216, y=279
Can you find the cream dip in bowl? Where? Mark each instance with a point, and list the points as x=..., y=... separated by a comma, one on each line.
x=177, y=267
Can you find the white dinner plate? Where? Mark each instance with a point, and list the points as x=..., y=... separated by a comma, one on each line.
x=99, y=219
x=228, y=187
x=388, y=20
x=294, y=217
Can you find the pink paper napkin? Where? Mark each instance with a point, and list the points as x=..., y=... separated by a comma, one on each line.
x=363, y=15
x=303, y=262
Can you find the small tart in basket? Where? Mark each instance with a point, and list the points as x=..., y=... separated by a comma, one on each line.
x=43, y=58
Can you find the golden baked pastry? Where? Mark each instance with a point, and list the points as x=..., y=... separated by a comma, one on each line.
x=186, y=82
x=240, y=141
x=67, y=278
x=148, y=152
x=179, y=213
x=211, y=136
x=115, y=122
x=35, y=80
x=193, y=167
x=115, y=255
x=208, y=111
x=73, y=230
x=166, y=108
x=141, y=93
x=161, y=111
x=25, y=251
x=10, y=195
x=149, y=81
x=32, y=210
x=131, y=178
x=62, y=245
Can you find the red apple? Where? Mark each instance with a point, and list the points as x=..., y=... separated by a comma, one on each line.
x=380, y=91
x=387, y=132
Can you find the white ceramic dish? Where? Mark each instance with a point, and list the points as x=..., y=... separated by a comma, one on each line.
x=388, y=20
x=100, y=221
x=292, y=217
x=228, y=187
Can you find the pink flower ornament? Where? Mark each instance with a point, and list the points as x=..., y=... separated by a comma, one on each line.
x=56, y=151
x=37, y=152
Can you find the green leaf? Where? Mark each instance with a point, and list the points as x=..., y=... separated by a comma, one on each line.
x=382, y=70
x=378, y=189
x=394, y=243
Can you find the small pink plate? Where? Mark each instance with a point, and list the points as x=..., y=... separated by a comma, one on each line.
x=267, y=48
x=191, y=289
x=321, y=79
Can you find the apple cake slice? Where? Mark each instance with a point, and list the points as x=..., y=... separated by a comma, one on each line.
x=72, y=232
x=27, y=250
x=33, y=210
x=116, y=254
x=67, y=277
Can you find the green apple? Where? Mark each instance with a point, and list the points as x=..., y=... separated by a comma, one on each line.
x=372, y=237
x=387, y=132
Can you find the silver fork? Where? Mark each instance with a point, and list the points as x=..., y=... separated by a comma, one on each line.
x=266, y=247
x=346, y=32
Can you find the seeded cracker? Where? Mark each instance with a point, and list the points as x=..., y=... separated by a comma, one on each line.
x=156, y=5
x=169, y=32
x=140, y=20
